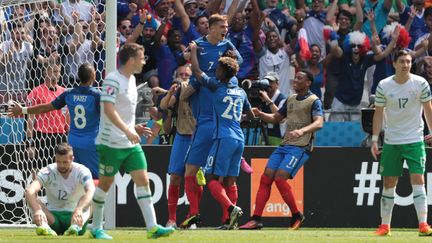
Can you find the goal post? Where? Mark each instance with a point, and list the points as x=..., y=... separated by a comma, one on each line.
x=35, y=37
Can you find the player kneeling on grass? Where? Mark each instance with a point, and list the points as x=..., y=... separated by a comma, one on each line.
x=69, y=189
x=304, y=115
x=224, y=157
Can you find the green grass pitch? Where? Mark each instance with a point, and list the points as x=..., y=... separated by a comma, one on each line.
x=233, y=236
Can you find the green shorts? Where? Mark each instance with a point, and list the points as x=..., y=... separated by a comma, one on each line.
x=393, y=156
x=112, y=159
x=62, y=221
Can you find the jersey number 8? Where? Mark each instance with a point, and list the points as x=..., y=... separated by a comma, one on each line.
x=80, y=119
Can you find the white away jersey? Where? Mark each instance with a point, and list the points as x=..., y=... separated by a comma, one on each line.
x=64, y=194
x=403, y=110
x=122, y=92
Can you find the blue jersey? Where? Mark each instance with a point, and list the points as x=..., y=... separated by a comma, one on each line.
x=84, y=110
x=208, y=56
x=229, y=101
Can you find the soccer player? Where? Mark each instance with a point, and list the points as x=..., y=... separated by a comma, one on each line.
x=83, y=105
x=304, y=115
x=118, y=141
x=401, y=98
x=210, y=49
x=224, y=157
x=69, y=189
x=185, y=127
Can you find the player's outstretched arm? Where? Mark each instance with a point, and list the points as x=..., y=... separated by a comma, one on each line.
x=15, y=109
x=115, y=118
x=31, y=191
x=274, y=118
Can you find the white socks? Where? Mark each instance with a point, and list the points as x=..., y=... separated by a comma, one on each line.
x=143, y=195
x=98, y=207
x=387, y=203
x=420, y=202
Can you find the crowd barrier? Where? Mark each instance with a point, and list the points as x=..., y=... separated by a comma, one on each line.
x=338, y=187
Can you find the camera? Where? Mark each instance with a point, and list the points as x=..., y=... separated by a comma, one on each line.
x=252, y=88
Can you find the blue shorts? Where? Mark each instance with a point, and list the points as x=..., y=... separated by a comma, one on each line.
x=224, y=157
x=88, y=158
x=201, y=143
x=289, y=158
x=178, y=152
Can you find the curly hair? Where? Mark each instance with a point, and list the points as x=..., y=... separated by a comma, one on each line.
x=229, y=65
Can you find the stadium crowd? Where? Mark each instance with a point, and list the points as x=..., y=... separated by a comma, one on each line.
x=276, y=50
x=275, y=40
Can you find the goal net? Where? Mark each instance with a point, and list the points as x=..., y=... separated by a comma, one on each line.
x=41, y=43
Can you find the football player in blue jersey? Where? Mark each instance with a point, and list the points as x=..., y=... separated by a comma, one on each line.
x=210, y=49
x=223, y=160
x=83, y=105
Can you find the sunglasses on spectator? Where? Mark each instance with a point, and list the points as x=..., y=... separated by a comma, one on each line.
x=354, y=45
x=248, y=10
x=126, y=27
x=184, y=74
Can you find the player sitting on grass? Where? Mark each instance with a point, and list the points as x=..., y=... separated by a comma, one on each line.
x=69, y=189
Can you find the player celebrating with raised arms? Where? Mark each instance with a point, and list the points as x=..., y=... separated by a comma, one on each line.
x=400, y=99
x=69, y=189
x=229, y=101
x=210, y=49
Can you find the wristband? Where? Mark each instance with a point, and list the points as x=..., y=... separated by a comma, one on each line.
x=270, y=103
x=374, y=138
x=24, y=111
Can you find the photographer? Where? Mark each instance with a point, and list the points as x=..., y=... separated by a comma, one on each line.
x=273, y=100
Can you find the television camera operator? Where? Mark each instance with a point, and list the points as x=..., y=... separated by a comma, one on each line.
x=265, y=95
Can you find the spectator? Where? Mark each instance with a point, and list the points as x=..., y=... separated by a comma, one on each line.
x=355, y=60
x=414, y=17
x=81, y=8
x=283, y=21
x=81, y=49
x=273, y=57
x=168, y=56
x=314, y=24
x=344, y=21
x=182, y=21
x=381, y=8
x=144, y=34
x=125, y=29
x=241, y=34
x=191, y=7
x=46, y=45
x=15, y=55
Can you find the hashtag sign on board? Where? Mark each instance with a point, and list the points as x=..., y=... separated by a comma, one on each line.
x=363, y=178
